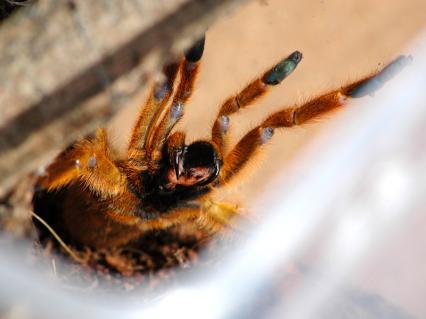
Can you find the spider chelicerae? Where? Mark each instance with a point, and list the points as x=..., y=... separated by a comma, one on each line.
x=105, y=201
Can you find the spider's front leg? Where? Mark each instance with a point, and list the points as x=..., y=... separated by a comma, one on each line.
x=89, y=162
x=145, y=125
x=156, y=119
x=190, y=66
x=299, y=115
x=249, y=94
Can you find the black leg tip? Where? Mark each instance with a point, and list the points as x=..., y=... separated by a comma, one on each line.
x=194, y=53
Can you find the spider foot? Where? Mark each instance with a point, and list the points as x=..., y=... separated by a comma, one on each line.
x=373, y=84
x=194, y=53
x=283, y=69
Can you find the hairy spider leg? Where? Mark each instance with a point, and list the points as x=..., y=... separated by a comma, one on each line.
x=90, y=162
x=189, y=70
x=247, y=146
x=208, y=214
x=250, y=94
x=158, y=98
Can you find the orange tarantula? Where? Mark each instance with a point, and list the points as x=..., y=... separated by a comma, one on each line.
x=107, y=202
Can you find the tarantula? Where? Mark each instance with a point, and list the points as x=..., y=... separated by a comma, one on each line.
x=108, y=202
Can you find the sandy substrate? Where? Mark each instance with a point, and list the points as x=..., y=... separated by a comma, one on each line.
x=341, y=41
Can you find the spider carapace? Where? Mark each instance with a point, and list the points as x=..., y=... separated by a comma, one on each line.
x=101, y=201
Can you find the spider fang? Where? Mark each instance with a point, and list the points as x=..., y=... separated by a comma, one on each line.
x=178, y=162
